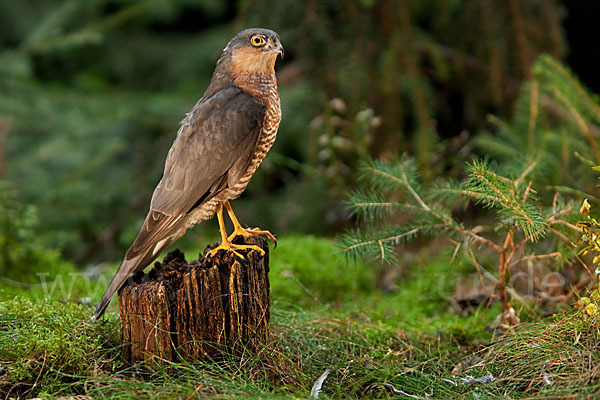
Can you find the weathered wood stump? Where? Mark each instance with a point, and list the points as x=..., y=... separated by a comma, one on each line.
x=200, y=309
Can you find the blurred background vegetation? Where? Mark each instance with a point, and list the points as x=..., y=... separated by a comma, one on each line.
x=91, y=94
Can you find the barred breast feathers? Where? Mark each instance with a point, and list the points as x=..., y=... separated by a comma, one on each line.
x=269, y=95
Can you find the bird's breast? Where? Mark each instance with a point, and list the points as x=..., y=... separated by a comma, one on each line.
x=265, y=142
x=267, y=137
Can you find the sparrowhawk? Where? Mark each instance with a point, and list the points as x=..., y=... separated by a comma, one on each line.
x=219, y=145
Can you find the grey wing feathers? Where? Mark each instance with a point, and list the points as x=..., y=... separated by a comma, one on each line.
x=197, y=161
x=217, y=139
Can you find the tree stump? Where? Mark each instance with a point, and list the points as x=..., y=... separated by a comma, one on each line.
x=200, y=309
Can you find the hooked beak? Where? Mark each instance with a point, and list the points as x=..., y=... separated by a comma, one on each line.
x=278, y=48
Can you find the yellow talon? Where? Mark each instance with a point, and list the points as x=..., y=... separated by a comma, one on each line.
x=251, y=232
x=228, y=246
x=238, y=230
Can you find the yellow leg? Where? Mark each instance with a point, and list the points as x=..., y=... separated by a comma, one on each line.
x=226, y=243
x=239, y=230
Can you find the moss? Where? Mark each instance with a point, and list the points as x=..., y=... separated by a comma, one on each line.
x=325, y=315
x=45, y=344
x=307, y=271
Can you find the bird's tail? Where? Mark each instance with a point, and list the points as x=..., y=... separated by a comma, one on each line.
x=154, y=237
x=125, y=269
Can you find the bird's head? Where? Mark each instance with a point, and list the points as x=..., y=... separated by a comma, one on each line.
x=253, y=52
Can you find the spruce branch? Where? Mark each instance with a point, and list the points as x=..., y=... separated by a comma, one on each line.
x=530, y=257
x=472, y=194
x=551, y=72
x=580, y=121
x=479, y=239
x=381, y=244
x=403, y=176
x=554, y=96
x=497, y=191
x=534, y=95
x=370, y=205
x=524, y=174
x=522, y=217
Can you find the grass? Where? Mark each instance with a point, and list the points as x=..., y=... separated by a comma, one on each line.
x=45, y=346
x=549, y=359
x=326, y=315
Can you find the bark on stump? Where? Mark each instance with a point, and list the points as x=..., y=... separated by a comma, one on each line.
x=200, y=309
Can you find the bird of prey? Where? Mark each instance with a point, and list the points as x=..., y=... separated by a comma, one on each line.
x=219, y=146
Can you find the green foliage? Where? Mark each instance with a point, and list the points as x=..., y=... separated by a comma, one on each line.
x=514, y=187
x=514, y=202
x=423, y=67
x=394, y=187
x=305, y=272
x=559, y=82
x=375, y=206
x=46, y=347
x=544, y=359
x=22, y=253
x=393, y=192
x=554, y=121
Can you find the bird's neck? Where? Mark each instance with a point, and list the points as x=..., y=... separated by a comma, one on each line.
x=261, y=87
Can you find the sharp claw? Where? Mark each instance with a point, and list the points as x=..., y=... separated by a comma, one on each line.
x=251, y=232
x=261, y=251
x=233, y=247
x=237, y=254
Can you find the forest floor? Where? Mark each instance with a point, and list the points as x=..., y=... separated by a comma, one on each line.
x=409, y=341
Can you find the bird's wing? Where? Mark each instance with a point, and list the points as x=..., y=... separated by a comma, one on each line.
x=216, y=139
x=216, y=133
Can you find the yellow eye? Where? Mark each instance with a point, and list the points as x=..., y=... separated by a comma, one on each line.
x=257, y=40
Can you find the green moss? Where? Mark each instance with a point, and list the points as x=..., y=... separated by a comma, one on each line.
x=307, y=271
x=325, y=315
x=44, y=345
x=421, y=304
x=59, y=280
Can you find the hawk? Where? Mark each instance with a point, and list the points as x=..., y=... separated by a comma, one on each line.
x=219, y=146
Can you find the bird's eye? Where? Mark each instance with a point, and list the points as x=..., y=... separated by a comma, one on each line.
x=257, y=40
